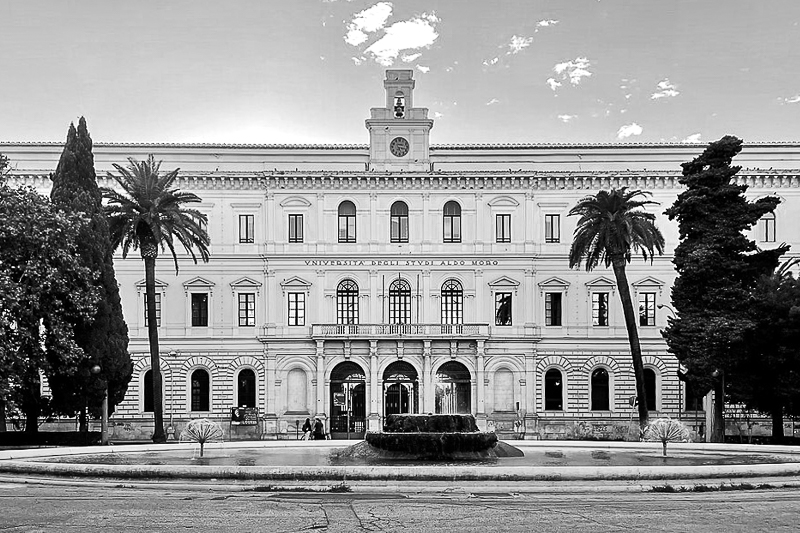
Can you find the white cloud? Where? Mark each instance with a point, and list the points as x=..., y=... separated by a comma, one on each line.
x=436, y=114
x=574, y=71
x=546, y=23
x=357, y=60
x=422, y=69
x=666, y=89
x=412, y=34
x=567, y=118
x=628, y=130
x=792, y=99
x=553, y=84
x=493, y=101
x=693, y=138
x=517, y=44
x=492, y=61
x=408, y=58
x=368, y=21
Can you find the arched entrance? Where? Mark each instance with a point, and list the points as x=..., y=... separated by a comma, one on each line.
x=348, y=401
x=400, y=389
x=453, y=389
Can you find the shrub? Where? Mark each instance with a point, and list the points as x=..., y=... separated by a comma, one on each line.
x=430, y=424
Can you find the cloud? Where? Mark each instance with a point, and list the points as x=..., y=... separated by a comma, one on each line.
x=553, y=84
x=792, y=99
x=546, y=23
x=422, y=69
x=368, y=21
x=693, y=138
x=567, y=118
x=436, y=114
x=412, y=34
x=358, y=60
x=572, y=71
x=665, y=90
x=408, y=58
x=517, y=44
x=492, y=61
x=628, y=130
x=493, y=101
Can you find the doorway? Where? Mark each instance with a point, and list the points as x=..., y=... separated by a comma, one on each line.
x=348, y=401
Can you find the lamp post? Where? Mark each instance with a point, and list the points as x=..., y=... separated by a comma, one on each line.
x=96, y=369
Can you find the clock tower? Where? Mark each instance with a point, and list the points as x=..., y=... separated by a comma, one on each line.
x=399, y=134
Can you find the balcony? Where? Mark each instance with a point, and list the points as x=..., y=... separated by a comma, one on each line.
x=399, y=331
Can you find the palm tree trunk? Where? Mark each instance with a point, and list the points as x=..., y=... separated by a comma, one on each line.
x=155, y=363
x=618, y=264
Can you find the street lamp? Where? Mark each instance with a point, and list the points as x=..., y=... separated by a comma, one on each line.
x=96, y=369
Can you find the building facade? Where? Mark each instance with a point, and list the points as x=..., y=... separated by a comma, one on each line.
x=353, y=282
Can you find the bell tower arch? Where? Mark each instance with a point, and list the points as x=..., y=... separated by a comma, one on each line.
x=399, y=133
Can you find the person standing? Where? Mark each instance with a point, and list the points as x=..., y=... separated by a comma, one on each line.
x=319, y=430
x=307, y=430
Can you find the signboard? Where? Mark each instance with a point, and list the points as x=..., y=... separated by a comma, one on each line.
x=244, y=416
x=338, y=399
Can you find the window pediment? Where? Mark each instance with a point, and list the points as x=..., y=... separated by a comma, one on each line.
x=601, y=283
x=296, y=202
x=245, y=283
x=160, y=285
x=649, y=281
x=554, y=283
x=503, y=201
x=504, y=282
x=198, y=283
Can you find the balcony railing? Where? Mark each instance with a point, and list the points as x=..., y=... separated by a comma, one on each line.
x=417, y=331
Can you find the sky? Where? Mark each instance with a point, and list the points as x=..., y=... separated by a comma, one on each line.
x=307, y=71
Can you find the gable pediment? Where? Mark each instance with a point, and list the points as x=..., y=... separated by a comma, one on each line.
x=649, y=281
x=554, y=283
x=295, y=281
x=159, y=284
x=245, y=283
x=198, y=283
x=504, y=281
x=601, y=283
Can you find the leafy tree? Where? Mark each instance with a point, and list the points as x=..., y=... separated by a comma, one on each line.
x=612, y=226
x=105, y=340
x=718, y=267
x=770, y=365
x=44, y=290
x=150, y=214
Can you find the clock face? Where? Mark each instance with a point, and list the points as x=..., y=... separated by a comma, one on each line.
x=398, y=147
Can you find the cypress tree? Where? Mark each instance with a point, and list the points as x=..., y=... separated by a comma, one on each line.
x=104, y=340
x=718, y=267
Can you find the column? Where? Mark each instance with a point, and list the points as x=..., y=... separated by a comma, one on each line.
x=271, y=409
x=271, y=293
x=480, y=311
x=530, y=222
x=373, y=225
x=530, y=395
x=481, y=222
x=374, y=387
x=428, y=317
x=320, y=314
x=426, y=221
x=374, y=310
x=320, y=236
x=270, y=224
x=321, y=378
x=428, y=404
x=480, y=353
x=528, y=305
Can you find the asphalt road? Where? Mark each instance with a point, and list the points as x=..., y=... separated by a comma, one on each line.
x=83, y=507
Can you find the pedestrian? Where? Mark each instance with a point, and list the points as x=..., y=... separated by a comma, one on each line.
x=307, y=430
x=319, y=430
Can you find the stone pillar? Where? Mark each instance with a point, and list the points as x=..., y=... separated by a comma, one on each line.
x=427, y=391
x=320, y=239
x=528, y=307
x=372, y=223
x=374, y=387
x=481, y=311
x=428, y=316
x=530, y=418
x=480, y=377
x=321, y=379
x=270, y=407
x=426, y=221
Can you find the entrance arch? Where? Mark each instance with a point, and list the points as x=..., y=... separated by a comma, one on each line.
x=348, y=401
x=453, y=389
x=400, y=389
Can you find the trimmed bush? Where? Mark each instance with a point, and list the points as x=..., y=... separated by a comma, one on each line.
x=433, y=445
x=430, y=424
x=55, y=438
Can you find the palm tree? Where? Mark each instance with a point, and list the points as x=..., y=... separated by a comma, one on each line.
x=149, y=214
x=611, y=227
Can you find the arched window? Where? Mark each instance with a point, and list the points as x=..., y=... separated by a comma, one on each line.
x=553, y=391
x=399, y=302
x=452, y=302
x=347, y=221
x=201, y=390
x=147, y=385
x=504, y=390
x=399, y=222
x=399, y=105
x=600, y=390
x=452, y=222
x=347, y=302
x=246, y=388
x=650, y=387
x=453, y=389
x=297, y=391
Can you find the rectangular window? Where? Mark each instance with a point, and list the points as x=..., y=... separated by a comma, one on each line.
x=347, y=228
x=552, y=228
x=766, y=228
x=647, y=309
x=502, y=309
x=158, y=310
x=452, y=228
x=599, y=308
x=399, y=228
x=247, y=228
x=199, y=310
x=247, y=309
x=295, y=228
x=297, y=308
x=503, y=228
x=552, y=309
